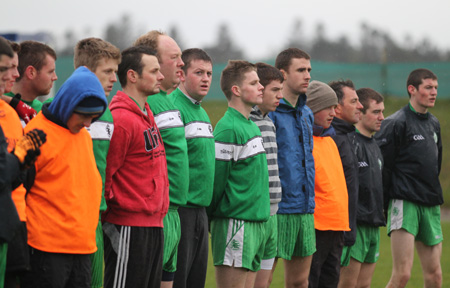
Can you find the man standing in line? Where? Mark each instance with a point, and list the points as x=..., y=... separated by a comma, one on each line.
x=37, y=72
x=331, y=212
x=239, y=208
x=192, y=261
x=136, y=184
x=65, y=190
x=293, y=122
x=272, y=80
x=410, y=140
x=365, y=252
x=348, y=112
x=169, y=122
x=102, y=58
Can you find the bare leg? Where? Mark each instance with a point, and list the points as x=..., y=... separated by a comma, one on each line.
x=230, y=277
x=349, y=274
x=402, y=246
x=365, y=275
x=296, y=271
x=430, y=258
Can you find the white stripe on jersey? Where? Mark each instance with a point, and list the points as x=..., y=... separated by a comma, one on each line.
x=120, y=276
x=168, y=119
x=227, y=152
x=101, y=130
x=198, y=130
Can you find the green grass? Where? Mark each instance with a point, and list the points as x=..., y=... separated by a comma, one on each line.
x=382, y=271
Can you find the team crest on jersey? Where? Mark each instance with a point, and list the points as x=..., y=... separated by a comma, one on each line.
x=210, y=128
x=179, y=115
x=435, y=137
x=152, y=139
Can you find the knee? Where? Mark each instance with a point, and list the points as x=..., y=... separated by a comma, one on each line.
x=400, y=279
x=434, y=278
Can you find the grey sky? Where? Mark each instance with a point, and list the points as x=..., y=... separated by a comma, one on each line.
x=259, y=27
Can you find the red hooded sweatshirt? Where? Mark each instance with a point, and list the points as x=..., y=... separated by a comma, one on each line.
x=136, y=184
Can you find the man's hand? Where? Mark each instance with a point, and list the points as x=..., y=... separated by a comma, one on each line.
x=27, y=148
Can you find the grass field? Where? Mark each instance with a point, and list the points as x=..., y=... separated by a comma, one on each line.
x=216, y=109
x=382, y=271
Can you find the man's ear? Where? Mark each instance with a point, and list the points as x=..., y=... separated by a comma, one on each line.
x=30, y=72
x=182, y=76
x=411, y=89
x=284, y=74
x=132, y=76
x=236, y=90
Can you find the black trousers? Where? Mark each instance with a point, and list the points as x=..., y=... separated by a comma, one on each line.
x=57, y=270
x=192, y=255
x=326, y=261
x=133, y=256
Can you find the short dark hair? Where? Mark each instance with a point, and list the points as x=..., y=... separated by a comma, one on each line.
x=416, y=77
x=5, y=48
x=367, y=94
x=132, y=59
x=338, y=85
x=33, y=53
x=267, y=73
x=15, y=46
x=233, y=74
x=283, y=60
x=192, y=54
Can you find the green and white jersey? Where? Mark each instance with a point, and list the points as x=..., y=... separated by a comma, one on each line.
x=200, y=144
x=171, y=127
x=35, y=104
x=241, y=182
x=101, y=132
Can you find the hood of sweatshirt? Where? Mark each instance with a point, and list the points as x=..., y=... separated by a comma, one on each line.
x=79, y=86
x=123, y=101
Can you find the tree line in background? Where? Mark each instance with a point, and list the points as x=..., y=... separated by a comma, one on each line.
x=375, y=45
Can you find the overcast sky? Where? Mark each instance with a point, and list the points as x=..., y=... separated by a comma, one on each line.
x=259, y=27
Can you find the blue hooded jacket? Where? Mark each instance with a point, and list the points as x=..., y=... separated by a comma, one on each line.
x=79, y=86
x=294, y=126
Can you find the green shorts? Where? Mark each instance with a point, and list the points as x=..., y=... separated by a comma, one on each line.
x=366, y=248
x=3, y=252
x=97, y=259
x=172, y=235
x=237, y=243
x=424, y=222
x=296, y=235
x=270, y=238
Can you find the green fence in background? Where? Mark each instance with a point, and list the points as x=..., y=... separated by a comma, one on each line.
x=388, y=79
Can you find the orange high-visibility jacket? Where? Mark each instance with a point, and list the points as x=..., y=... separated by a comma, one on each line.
x=331, y=212
x=63, y=203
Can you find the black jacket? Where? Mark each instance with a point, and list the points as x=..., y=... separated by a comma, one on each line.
x=9, y=173
x=370, y=192
x=345, y=139
x=412, y=149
